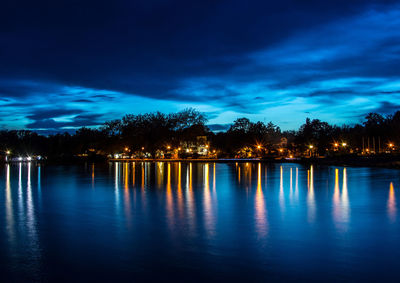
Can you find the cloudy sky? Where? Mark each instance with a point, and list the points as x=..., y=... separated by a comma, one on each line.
x=67, y=64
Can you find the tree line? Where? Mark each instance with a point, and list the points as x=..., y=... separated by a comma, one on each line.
x=154, y=131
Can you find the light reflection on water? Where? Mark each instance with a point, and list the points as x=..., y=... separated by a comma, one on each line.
x=260, y=208
x=341, y=208
x=391, y=204
x=9, y=207
x=21, y=223
x=249, y=217
x=310, y=195
x=281, y=192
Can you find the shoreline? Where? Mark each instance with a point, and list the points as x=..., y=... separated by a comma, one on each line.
x=350, y=161
x=389, y=162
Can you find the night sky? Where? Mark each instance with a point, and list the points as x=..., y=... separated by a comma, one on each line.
x=67, y=64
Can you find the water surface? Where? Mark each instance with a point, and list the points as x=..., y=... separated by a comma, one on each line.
x=197, y=222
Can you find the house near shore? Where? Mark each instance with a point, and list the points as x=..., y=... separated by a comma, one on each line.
x=199, y=146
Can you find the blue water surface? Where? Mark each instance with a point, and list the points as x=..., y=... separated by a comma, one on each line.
x=183, y=222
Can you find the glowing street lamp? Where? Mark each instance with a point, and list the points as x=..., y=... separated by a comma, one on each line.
x=336, y=144
x=8, y=152
x=311, y=149
x=168, y=147
x=258, y=146
x=344, y=144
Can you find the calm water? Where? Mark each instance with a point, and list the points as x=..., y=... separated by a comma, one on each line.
x=197, y=222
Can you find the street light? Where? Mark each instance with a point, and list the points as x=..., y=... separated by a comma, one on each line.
x=344, y=144
x=311, y=150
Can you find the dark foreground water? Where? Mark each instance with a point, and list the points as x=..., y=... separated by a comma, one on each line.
x=198, y=222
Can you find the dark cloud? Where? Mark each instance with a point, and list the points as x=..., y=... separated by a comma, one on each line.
x=76, y=122
x=44, y=114
x=218, y=127
x=16, y=104
x=147, y=47
x=107, y=97
x=387, y=107
x=12, y=88
x=238, y=56
x=83, y=101
x=391, y=92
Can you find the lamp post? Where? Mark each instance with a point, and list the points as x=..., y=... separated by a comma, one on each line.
x=259, y=148
x=391, y=146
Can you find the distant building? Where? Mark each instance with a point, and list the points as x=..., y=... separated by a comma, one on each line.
x=200, y=146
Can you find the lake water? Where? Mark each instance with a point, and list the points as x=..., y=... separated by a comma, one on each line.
x=198, y=222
